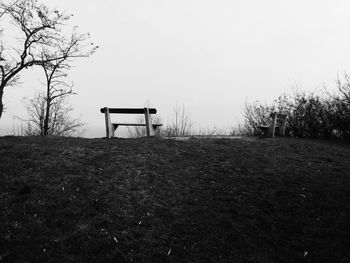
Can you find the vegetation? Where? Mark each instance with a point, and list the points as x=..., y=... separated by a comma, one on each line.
x=40, y=43
x=157, y=200
x=59, y=122
x=180, y=125
x=310, y=115
x=161, y=200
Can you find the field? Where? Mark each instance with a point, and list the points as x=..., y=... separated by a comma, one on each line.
x=158, y=200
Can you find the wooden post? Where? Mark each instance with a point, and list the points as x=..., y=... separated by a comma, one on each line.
x=109, y=128
x=271, y=131
x=148, y=122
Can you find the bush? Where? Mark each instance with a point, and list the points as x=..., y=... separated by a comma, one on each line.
x=309, y=115
x=257, y=114
x=341, y=108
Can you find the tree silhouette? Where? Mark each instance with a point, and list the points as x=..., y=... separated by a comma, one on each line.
x=58, y=122
x=42, y=43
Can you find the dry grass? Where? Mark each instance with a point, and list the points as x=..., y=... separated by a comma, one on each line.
x=154, y=200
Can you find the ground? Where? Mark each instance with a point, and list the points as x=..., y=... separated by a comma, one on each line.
x=157, y=200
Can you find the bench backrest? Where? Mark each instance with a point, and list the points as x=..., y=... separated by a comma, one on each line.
x=129, y=110
x=274, y=116
x=278, y=115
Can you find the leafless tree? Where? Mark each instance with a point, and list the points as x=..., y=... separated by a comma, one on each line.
x=343, y=86
x=59, y=120
x=4, y=10
x=181, y=124
x=55, y=74
x=42, y=43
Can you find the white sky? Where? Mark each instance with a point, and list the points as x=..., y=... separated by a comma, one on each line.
x=211, y=56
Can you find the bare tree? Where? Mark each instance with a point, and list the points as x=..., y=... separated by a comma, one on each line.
x=6, y=9
x=59, y=121
x=56, y=72
x=181, y=124
x=43, y=42
x=343, y=86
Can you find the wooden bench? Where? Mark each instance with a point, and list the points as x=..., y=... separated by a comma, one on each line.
x=269, y=131
x=151, y=129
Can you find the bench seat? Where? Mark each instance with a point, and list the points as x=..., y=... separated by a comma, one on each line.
x=135, y=124
x=267, y=127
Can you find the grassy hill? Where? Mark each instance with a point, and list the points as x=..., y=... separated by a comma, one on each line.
x=156, y=200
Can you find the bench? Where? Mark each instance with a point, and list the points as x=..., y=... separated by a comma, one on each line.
x=151, y=129
x=269, y=131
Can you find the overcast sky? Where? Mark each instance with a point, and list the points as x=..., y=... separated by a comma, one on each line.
x=211, y=56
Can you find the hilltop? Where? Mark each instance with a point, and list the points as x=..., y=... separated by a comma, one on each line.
x=156, y=200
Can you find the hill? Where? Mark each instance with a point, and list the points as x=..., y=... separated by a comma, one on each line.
x=156, y=200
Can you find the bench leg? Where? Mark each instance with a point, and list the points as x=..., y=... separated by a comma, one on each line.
x=109, y=126
x=149, y=128
x=283, y=127
x=271, y=131
x=114, y=128
x=155, y=130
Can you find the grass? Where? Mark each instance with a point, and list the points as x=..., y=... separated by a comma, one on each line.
x=154, y=200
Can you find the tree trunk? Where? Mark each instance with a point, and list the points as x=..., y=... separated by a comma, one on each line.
x=1, y=104
x=47, y=113
x=47, y=117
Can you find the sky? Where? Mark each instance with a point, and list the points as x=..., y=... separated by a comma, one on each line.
x=210, y=56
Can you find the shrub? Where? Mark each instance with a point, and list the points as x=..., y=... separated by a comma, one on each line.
x=309, y=115
x=257, y=114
